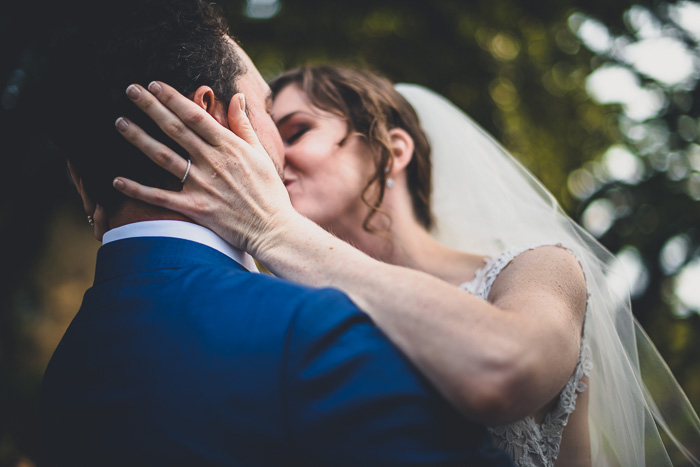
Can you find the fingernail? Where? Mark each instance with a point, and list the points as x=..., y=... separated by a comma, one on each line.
x=118, y=184
x=121, y=124
x=241, y=102
x=133, y=92
x=155, y=88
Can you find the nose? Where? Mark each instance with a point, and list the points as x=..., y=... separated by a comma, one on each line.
x=288, y=157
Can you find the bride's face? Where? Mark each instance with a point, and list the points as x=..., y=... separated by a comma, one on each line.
x=324, y=179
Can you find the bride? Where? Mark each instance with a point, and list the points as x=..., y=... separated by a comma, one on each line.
x=480, y=279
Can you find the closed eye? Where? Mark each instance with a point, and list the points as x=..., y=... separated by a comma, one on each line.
x=296, y=135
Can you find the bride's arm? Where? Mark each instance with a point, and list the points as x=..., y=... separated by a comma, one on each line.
x=497, y=361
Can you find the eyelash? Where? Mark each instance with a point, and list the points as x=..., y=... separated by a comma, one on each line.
x=296, y=135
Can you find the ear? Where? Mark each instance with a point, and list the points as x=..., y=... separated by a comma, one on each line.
x=97, y=212
x=205, y=98
x=88, y=203
x=402, y=147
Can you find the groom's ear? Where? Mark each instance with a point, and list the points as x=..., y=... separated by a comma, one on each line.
x=205, y=98
x=88, y=203
x=402, y=147
x=100, y=219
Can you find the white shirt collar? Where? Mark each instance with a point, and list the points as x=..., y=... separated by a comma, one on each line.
x=183, y=230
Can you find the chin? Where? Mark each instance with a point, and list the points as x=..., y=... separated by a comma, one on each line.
x=322, y=214
x=315, y=217
x=304, y=209
x=318, y=217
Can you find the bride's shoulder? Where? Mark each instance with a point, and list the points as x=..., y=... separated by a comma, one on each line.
x=553, y=258
x=545, y=268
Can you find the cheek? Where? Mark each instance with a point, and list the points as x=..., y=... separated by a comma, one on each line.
x=336, y=177
x=309, y=159
x=331, y=189
x=327, y=173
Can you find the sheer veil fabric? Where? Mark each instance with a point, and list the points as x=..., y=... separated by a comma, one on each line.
x=484, y=201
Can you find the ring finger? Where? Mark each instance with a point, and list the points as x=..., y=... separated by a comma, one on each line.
x=159, y=153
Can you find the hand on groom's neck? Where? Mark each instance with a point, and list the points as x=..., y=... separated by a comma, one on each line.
x=136, y=211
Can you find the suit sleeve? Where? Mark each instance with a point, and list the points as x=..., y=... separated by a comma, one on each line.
x=351, y=399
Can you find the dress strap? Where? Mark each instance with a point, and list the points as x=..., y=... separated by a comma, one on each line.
x=486, y=275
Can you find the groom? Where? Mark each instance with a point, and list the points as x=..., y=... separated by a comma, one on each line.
x=180, y=355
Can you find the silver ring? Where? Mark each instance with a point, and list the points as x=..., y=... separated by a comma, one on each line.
x=187, y=172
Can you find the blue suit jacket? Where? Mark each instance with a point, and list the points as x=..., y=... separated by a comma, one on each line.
x=178, y=356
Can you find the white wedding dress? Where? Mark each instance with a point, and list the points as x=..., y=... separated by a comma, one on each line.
x=529, y=443
x=485, y=202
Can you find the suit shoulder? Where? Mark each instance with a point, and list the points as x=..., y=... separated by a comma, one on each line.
x=279, y=303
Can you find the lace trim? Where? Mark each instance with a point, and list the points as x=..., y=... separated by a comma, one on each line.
x=528, y=443
x=486, y=275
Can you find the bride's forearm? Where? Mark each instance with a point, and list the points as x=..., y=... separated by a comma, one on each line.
x=481, y=358
x=486, y=361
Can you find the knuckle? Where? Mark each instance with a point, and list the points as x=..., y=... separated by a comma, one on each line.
x=145, y=102
x=161, y=157
x=135, y=136
x=166, y=94
x=219, y=166
x=175, y=128
x=130, y=133
x=194, y=118
x=159, y=198
x=199, y=206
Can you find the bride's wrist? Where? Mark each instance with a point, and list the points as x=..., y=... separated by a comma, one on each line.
x=276, y=236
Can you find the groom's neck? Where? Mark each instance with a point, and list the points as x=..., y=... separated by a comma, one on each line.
x=136, y=211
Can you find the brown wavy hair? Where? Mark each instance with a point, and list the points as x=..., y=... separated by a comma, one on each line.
x=371, y=107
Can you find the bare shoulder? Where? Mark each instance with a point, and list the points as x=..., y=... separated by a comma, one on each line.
x=546, y=273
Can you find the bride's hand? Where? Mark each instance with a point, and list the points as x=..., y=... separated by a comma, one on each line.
x=232, y=185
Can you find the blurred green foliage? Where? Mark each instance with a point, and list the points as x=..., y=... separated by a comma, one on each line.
x=516, y=67
x=656, y=212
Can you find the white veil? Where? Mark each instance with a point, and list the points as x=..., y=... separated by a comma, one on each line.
x=484, y=201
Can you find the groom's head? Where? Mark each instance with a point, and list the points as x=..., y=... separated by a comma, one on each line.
x=184, y=43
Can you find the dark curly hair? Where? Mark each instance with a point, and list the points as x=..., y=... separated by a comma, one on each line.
x=184, y=43
x=371, y=106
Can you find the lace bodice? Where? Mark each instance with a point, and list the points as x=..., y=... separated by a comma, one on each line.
x=532, y=444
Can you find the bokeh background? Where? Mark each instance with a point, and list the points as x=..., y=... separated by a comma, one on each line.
x=598, y=98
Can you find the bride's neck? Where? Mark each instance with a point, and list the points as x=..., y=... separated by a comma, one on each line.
x=409, y=245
